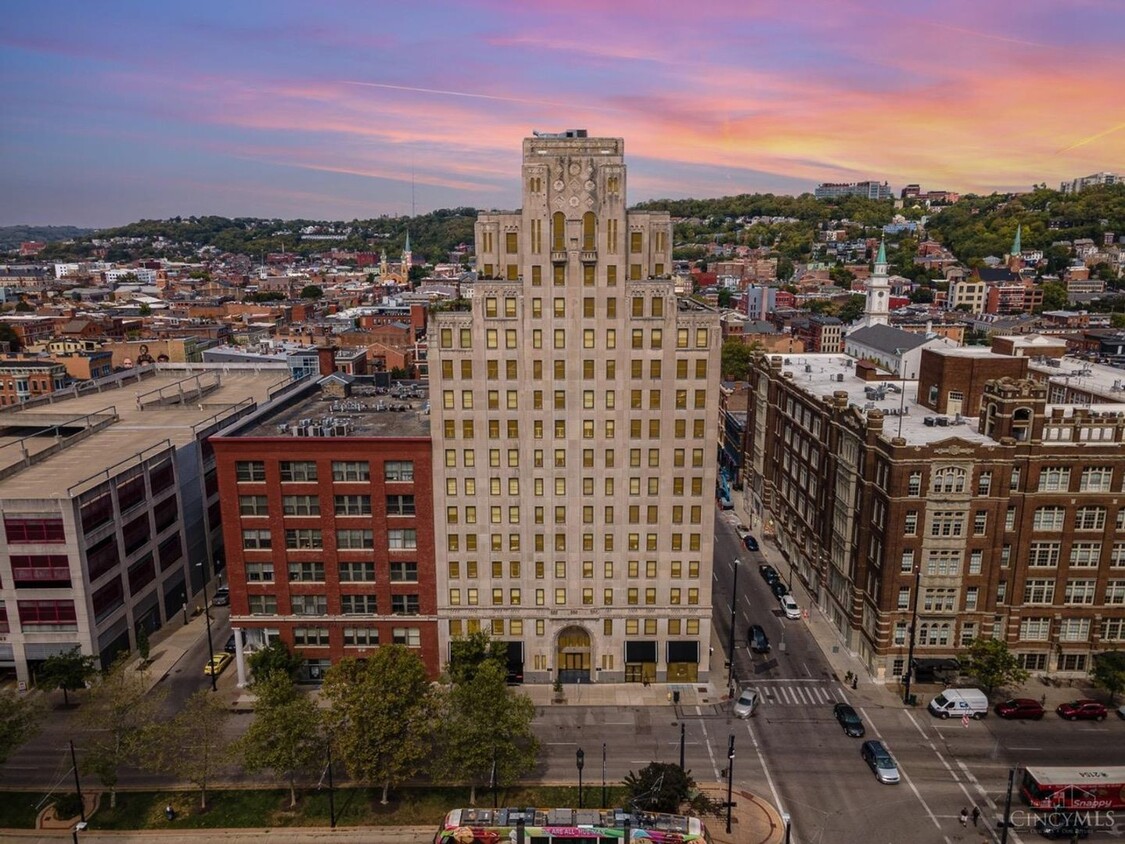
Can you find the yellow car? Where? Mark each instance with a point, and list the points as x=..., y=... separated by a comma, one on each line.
x=217, y=664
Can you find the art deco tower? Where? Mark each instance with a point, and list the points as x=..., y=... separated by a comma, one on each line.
x=575, y=399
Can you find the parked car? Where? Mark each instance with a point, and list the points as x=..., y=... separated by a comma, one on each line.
x=1058, y=825
x=849, y=719
x=1020, y=707
x=875, y=754
x=789, y=606
x=779, y=589
x=757, y=640
x=221, y=597
x=769, y=573
x=742, y=529
x=216, y=664
x=746, y=704
x=751, y=542
x=957, y=703
x=1082, y=710
x=229, y=646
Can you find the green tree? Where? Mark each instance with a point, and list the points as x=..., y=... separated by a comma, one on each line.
x=1109, y=672
x=381, y=716
x=68, y=671
x=285, y=734
x=467, y=654
x=117, y=719
x=852, y=309
x=273, y=658
x=663, y=787
x=143, y=646
x=784, y=269
x=993, y=664
x=192, y=745
x=19, y=721
x=1117, y=320
x=23, y=307
x=145, y=309
x=736, y=357
x=724, y=297
x=921, y=295
x=1054, y=297
x=312, y=291
x=8, y=335
x=486, y=727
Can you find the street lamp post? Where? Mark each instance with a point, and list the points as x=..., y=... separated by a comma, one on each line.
x=605, y=796
x=730, y=778
x=580, y=760
x=733, y=608
x=77, y=785
x=913, y=628
x=210, y=642
x=788, y=821
x=682, y=729
x=77, y=828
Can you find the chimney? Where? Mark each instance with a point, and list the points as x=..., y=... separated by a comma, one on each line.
x=326, y=358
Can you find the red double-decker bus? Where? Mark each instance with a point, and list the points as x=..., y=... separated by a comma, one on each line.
x=1074, y=788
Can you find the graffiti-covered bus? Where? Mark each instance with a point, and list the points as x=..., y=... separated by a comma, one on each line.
x=572, y=826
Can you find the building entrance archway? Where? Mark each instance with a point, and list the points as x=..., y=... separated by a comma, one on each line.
x=573, y=655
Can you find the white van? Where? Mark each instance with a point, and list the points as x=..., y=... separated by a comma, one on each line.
x=956, y=703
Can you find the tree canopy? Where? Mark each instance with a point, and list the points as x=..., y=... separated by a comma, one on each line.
x=993, y=664
x=468, y=653
x=735, y=359
x=381, y=716
x=274, y=657
x=285, y=735
x=1109, y=672
x=68, y=671
x=192, y=746
x=118, y=719
x=19, y=721
x=486, y=729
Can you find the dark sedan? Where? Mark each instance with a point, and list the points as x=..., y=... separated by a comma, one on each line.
x=849, y=719
x=779, y=589
x=750, y=542
x=769, y=574
x=1020, y=707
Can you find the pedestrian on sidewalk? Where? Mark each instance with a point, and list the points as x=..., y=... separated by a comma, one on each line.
x=964, y=817
x=976, y=815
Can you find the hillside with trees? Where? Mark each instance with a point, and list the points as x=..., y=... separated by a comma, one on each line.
x=12, y=236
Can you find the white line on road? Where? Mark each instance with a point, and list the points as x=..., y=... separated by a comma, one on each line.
x=906, y=777
x=769, y=779
x=806, y=667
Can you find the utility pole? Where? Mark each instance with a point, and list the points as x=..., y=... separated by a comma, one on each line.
x=331, y=789
x=733, y=607
x=1007, y=807
x=77, y=784
x=730, y=779
x=682, y=767
x=913, y=628
x=605, y=796
x=580, y=761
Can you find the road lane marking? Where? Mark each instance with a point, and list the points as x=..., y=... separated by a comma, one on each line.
x=769, y=779
x=905, y=776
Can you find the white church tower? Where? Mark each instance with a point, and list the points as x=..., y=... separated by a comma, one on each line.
x=877, y=310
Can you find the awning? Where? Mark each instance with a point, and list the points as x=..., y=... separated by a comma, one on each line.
x=683, y=652
x=640, y=651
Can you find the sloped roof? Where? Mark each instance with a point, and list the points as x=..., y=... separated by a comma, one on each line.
x=884, y=338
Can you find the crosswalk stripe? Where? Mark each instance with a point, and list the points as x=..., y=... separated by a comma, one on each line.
x=803, y=695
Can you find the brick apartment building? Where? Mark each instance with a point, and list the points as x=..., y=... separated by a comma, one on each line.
x=989, y=494
x=22, y=379
x=328, y=522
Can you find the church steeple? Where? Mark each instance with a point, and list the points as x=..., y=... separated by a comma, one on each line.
x=1015, y=256
x=876, y=311
x=1016, y=247
x=407, y=257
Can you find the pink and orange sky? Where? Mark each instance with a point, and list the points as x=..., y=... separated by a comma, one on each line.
x=116, y=111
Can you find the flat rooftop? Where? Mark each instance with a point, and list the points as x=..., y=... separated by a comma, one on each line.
x=368, y=412
x=817, y=375
x=1106, y=382
x=121, y=421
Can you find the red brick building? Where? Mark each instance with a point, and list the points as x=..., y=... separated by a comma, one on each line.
x=328, y=525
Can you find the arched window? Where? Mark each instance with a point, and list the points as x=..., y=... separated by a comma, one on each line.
x=949, y=479
x=589, y=231
x=558, y=232
x=1021, y=423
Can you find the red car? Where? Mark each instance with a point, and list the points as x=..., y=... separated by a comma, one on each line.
x=1085, y=710
x=1020, y=707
